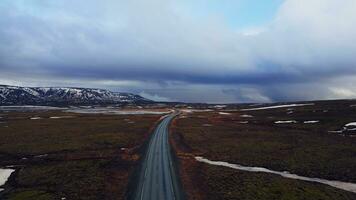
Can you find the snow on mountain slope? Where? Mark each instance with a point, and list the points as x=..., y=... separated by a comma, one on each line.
x=13, y=95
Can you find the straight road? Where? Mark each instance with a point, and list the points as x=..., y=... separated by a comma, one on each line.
x=158, y=179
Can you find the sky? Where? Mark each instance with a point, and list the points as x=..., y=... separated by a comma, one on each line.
x=214, y=51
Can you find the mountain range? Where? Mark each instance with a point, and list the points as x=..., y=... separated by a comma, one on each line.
x=14, y=95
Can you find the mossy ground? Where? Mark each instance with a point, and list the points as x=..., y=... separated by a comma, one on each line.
x=76, y=157
x=305, y=149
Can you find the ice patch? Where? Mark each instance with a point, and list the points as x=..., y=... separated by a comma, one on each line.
x=286, y=122
x=243, y=122
x=279, y=106
x=35, y=118
x=351, y=187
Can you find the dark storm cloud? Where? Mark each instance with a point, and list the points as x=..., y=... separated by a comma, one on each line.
x=159, y=46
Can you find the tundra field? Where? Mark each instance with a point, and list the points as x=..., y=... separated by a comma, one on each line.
x=309, y=140
x=61, y=155
x=291, y=151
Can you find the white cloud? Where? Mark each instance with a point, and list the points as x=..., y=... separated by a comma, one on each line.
x=342, y=92
x=309, y=44
x=315, y=34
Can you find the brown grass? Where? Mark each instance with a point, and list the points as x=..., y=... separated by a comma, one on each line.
x=304, y=149
x=77, y=158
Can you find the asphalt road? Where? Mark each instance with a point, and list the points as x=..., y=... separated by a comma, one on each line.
x=158, y=179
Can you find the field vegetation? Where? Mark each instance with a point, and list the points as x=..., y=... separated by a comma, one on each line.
x=70, y=156
x=253, y=138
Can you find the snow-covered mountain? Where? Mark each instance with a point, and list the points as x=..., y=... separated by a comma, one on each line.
x=13, y=95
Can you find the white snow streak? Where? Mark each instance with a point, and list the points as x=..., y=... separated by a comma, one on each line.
x=29, y=108
x=35, y=118
x=286, y=122
x=4, y=175
x=116, y=112
x=351, y=124
x=246, y=116
x=61, y=117
x=311, y=122
x=279, y=106
x=224, y=113
x=351, y=187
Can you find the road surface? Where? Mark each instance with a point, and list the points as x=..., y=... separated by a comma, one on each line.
x=158, y=179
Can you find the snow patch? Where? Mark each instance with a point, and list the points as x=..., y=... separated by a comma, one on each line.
x=224, y=113
x=311, y=122
x=116, y=112
x=195, y=110
x=286, y=122
x=335, y=131
x=220, y=106
x=41, y=156
x=350, y=124
x=346, y=128
x=246, y=116
x=35, y=118
x=29, y=108
x=61, y=117
x=182, y=117
x=4, y=175
x=351, y=187
x=279, y=106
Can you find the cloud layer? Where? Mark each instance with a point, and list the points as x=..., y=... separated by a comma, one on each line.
x=162, y=49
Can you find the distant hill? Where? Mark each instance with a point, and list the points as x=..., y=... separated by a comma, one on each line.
x=13, y=95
